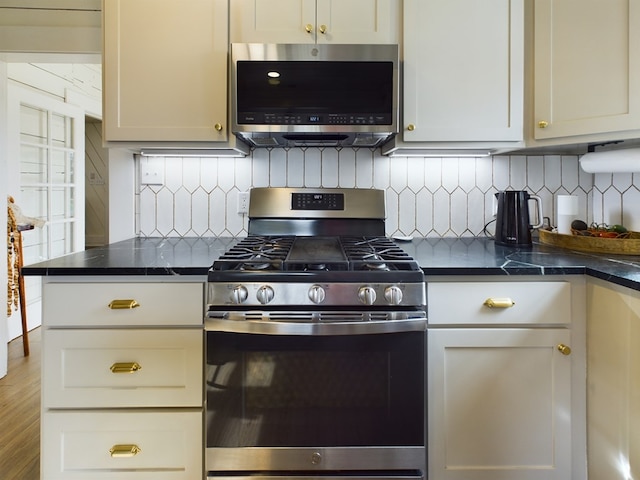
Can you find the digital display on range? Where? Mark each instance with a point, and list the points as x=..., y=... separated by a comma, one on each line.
x=317, y=201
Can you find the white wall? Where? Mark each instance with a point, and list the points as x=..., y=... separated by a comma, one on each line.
x=122, y=183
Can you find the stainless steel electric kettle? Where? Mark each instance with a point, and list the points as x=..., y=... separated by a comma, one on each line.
x=513, y=227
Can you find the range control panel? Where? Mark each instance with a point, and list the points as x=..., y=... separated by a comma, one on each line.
x=317, y=201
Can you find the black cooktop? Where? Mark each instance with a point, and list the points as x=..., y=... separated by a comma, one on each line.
x=260, y=254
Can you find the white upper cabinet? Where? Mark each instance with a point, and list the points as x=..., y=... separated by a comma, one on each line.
x=586, y=70
x=165, y=70
x=314, y=21
x=463, y=73
x=51, y=26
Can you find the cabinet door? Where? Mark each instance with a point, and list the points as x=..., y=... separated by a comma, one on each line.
x=357, y=21
x=460, y=303
x=613, y=377
x=87, y=304
x=93, y=444
x=499, y=404
x=122, y=368
x=587, y=67
x=273, y=21
x=310, y=21
x=165, y=70
x=463, y=70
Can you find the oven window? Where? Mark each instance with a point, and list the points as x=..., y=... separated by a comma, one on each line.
x=355, y=390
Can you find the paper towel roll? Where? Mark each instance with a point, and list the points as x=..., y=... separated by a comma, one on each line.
x=625, y=160
x=567, y=204
x=566, y=209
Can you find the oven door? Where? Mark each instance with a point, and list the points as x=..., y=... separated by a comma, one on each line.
x=315, y=402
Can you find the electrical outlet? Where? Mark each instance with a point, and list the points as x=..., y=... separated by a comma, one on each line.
x=151, y=172
x=243, y=202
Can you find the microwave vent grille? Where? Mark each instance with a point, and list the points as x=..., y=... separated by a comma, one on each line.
x=264, y=141
x=366, y=141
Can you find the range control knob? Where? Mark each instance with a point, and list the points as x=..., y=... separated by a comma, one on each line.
x=239, y=294
x=317, y=294
x=367, y=295
x=393, y=295
x=265, y=294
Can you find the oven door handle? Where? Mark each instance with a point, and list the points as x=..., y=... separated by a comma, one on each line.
x=279, y=327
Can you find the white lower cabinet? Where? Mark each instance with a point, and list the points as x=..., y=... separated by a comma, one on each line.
x=505, y=373
x=122, y=368
x=613, y=376
x=499, y=401
x=136, y=445
x=122, y=375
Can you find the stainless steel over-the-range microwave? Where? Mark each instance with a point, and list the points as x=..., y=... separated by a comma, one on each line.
x=291, y=95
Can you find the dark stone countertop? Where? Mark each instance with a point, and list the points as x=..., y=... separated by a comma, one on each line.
x=437, y=256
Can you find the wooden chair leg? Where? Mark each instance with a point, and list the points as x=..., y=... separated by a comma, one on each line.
x=15, y=262
x=23, y=314
x=22, y=297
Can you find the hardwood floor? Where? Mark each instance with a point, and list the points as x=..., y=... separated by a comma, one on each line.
x=20, y=412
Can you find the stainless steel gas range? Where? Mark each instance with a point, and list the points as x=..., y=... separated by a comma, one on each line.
x=315, y=343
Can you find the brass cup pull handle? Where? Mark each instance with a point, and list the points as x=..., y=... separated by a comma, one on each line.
x=124, y=451
x=323, y=29
x=499, y=303
x=564, y=349
x=123, y=304
x=308, y=28
x=125, y=367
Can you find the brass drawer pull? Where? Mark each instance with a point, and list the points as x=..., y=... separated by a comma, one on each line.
x=124, y=451
x=123, y=304
x=499, y=303
x=564, y=349
x=125, y=367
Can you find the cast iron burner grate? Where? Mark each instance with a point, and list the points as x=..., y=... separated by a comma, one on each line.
x=314, y=254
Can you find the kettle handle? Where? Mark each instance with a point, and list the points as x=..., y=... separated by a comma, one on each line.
x=538, y=201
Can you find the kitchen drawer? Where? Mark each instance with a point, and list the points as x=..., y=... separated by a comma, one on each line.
x=153, y=368
x=164, y=445
x=533, y=303
x=87, y=304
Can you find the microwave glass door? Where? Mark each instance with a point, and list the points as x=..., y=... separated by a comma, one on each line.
x=316, y=92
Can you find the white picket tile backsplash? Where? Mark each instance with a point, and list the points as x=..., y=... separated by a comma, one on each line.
x=427, y=197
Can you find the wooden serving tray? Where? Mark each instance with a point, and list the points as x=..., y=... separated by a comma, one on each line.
x=617, y=246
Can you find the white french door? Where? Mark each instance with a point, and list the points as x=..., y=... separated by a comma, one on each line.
x=46, y=177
